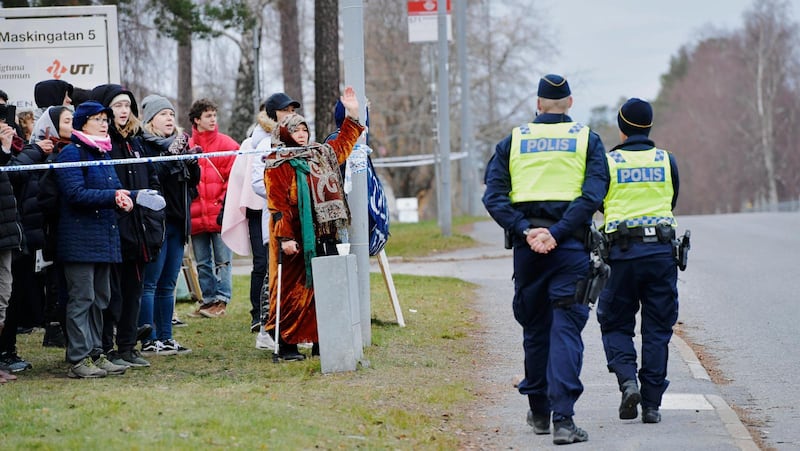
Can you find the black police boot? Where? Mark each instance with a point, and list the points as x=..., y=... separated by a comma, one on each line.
x=539, y=423
x=651, y=415
x=565, y=432
x=631, y=397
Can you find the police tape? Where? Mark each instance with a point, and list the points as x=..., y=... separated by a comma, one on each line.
x=116, y=161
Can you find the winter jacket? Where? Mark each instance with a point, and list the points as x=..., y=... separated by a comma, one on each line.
x=214, y=175
x=26, y=188
x=11, y=236
x=178, y=181
x=141, y=230
x=87, y=224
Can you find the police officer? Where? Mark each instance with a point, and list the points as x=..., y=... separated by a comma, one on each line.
x=640, y=227
x=543, y=184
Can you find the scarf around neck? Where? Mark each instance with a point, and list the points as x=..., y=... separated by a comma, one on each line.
x=103, y=144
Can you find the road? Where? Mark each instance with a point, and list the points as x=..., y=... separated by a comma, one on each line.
x=738, y=299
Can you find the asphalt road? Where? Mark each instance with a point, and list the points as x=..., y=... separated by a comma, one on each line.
x=739, y=299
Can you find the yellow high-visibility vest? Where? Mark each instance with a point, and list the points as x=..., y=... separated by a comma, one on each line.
x=548, y=161
x=640, y=191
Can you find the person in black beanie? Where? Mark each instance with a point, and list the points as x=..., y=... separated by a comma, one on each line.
x=543, y=184
x=640, y=226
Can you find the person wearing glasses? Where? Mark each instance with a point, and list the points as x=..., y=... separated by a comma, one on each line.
x=90, y=196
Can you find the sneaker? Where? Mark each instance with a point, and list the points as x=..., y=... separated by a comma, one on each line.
x=264, y=341
x=132, y=358
x=54, y=336
x=161, y=349
x=116, y=358
x=200, y=311
x=651, y=415
x=631, y=397
x=176, y=322
x=565, y=432
x=11, y=362
x=85, y=369
x=104, y=364
x=143, y=332
x=255, y=325
x=539, y=423
x=149, y=347
x=173, y=347
x=289, y=353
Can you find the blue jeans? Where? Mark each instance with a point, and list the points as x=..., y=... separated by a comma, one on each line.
x=216, y=278
x=160, y=276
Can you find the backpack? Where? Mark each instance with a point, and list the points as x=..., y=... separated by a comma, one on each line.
x=377, y=207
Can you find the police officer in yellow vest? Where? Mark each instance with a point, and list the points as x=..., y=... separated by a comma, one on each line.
x=543, y=184
x=640, y=227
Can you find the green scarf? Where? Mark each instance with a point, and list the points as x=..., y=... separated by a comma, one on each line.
x=302, y=170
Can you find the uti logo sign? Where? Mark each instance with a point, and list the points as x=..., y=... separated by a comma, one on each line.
x=57, y=69
x=635, y=175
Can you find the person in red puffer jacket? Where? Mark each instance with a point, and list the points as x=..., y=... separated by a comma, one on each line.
x=211, y=254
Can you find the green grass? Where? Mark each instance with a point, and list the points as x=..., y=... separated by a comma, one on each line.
x=425, y=238
x=227, y=394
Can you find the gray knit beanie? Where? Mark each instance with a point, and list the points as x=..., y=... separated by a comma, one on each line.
x=152, y=105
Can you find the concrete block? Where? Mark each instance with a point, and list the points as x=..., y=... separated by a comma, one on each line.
x=338, y=317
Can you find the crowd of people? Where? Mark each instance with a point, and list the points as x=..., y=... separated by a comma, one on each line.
x=92, y=253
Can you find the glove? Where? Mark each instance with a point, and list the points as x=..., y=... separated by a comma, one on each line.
x=149, y=198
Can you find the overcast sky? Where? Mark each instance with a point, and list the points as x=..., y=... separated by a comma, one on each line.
x=620, y=48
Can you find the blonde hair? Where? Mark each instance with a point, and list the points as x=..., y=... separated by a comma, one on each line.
x=148, y=127
x=131, y=127
x=556, y=106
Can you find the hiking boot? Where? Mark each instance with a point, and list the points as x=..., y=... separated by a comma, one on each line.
x=11, y=362
x=651, y=415
x=131, y=358
x=174, y=347
x=565, y=432
x=631, y=397
x=85, y=369
x=200, y=311
x=539, y=423
x=110, y=368
x=215, y=311
x=54, y=336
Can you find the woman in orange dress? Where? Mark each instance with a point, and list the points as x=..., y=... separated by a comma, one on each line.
x=307, y=204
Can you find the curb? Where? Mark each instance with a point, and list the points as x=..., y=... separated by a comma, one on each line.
x=730, y=419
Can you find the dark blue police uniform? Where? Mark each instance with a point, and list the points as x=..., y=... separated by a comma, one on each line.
x=642, y=273
x=551, y=335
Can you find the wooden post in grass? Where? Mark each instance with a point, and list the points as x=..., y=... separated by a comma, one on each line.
x=383, y=262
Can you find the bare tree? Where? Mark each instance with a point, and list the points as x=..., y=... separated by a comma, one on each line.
x=768, y=42
x=326, y=64
x=290, y=49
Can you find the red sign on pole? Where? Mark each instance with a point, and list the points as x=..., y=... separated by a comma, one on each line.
x=424, y=7
x=423, y=25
